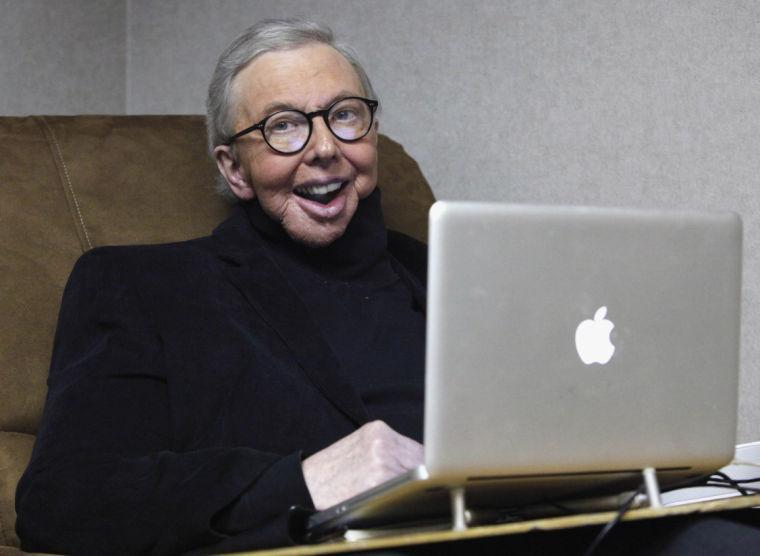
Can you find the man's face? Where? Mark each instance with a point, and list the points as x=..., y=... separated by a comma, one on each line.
x=308, y=78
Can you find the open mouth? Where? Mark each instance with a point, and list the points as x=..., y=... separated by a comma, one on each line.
x=320, y=193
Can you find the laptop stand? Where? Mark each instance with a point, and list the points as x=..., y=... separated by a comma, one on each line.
x=652, y=487
x=459, y=508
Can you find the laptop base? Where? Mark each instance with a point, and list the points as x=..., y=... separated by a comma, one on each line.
x=480, y=500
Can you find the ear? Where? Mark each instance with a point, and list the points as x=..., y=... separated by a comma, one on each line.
x=233, y=173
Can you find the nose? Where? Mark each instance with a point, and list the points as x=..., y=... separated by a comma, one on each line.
x=322, y=143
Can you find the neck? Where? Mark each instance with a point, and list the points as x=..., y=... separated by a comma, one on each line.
x=353, y=254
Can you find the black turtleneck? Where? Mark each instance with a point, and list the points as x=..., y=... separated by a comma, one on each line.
x=362, y=307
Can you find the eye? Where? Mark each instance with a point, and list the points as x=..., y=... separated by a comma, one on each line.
x=284, y=123
x=281, y=126
x=344, y=115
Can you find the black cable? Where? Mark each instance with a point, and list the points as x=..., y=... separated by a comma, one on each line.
x=746, y=481
x=709, y=480
x=614, y=521
x=725, y=481
x=744, y=491
x=728, y=481
x=736, y=481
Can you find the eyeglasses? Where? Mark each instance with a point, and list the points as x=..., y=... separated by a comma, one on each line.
x=288, y=131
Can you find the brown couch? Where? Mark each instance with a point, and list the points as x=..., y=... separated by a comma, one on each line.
x=68, y=184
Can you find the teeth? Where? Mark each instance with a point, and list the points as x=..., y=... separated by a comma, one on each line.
x=320, y=189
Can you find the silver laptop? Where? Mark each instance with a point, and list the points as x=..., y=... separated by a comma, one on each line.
x=567, y=349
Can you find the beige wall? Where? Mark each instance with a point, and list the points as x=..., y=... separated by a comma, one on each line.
x=62, y=56
x=645, y=103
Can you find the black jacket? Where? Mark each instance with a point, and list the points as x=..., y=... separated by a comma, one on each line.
x=182, y=376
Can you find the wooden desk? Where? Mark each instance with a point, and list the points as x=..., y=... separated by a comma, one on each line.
x=546, y=524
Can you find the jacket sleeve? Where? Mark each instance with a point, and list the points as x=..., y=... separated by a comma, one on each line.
x=106, y=474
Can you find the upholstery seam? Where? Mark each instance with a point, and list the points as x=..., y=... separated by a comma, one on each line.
x=68, y=180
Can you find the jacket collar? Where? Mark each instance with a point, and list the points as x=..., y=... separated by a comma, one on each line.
x=250, y=268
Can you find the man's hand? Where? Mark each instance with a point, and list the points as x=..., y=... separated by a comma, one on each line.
x=365, y=458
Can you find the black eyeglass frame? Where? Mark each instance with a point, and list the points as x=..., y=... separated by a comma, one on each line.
x=372, y=104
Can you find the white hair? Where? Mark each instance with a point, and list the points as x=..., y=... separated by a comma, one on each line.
x=265, y=36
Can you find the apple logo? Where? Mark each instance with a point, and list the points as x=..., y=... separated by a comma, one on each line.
x=592, y=339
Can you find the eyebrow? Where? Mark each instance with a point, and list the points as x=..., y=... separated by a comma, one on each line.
x=277, y=106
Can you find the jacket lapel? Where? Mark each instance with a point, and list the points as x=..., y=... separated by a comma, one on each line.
x=412, y=282
x=249, y=267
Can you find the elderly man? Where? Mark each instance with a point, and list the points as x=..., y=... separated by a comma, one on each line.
x=200, y=390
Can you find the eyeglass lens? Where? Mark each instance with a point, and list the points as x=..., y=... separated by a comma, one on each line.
x=288, y=131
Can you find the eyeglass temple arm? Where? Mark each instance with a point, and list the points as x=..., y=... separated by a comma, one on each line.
x=249, y=129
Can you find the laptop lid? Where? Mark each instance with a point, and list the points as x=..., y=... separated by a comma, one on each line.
x=571, y=340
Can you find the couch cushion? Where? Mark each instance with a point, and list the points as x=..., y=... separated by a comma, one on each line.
x=140, y=179
x=406, y=193
x=15, y=450
x=37, y=247
x=68, y=184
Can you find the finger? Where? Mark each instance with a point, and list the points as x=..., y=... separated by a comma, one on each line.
x=407, y=453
